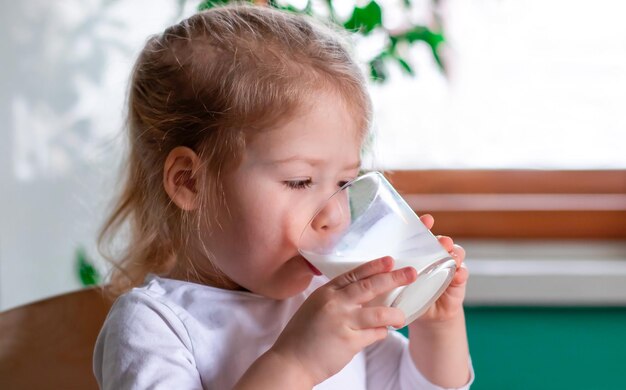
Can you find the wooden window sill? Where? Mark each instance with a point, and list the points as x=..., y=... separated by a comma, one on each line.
x=518, y=204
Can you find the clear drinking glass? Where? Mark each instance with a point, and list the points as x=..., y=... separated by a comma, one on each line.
x=367, y=219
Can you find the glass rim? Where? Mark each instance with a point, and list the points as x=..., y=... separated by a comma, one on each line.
x=369, y=174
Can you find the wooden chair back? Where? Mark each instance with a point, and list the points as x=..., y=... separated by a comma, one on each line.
x=49, y=344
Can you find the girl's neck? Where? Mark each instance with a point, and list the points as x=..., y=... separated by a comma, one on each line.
x=188, y=271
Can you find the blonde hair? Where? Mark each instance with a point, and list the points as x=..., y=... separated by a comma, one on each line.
x=207, y=83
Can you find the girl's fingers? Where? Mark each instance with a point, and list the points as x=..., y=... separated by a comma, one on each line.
x=428, y=221
x=456, y=251
x=372, y=335
x=446, y=242
x=379, y=316
x=458, y=254
x=384, y=264
x=460, y=276
x=364, y=290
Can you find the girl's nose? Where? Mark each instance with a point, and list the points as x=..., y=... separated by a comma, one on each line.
x=334, y=216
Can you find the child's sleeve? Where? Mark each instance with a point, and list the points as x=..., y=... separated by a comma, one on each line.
x=143, y=344
x=389, y=366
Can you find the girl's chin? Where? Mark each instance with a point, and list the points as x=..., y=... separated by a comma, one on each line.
x=292, y=279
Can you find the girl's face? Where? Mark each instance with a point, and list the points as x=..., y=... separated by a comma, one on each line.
x=285, y=175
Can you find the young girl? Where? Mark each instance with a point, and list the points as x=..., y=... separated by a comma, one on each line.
x=242, y=121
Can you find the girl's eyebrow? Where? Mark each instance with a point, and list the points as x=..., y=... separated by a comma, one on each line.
x=311, y=161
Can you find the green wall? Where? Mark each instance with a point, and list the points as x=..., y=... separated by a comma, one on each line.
x=547, y=347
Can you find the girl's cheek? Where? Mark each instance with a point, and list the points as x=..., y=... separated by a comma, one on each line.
x=292, y=229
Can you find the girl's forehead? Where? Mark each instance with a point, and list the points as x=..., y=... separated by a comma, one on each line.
x=325, y=132
x=326, y=110
x=324, y=127
x=322, y=131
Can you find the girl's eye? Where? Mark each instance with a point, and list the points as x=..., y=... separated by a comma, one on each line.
x=299, y=184
x=344, y=182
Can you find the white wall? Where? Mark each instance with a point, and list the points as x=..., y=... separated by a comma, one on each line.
x=64, y=71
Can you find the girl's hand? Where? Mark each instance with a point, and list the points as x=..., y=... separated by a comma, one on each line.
x=332, y=326
x=450, y=303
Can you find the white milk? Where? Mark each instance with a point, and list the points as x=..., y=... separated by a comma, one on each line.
x=415, y=298
x=410, y=243
x=418, y=296
x=333, y=266
x=394, y=236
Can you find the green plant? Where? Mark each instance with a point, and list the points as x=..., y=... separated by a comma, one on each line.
x=365, y=20
x=87, y=273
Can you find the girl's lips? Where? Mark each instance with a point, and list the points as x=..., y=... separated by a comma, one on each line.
x=315, y=270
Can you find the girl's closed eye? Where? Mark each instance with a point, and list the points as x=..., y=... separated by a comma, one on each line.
x=299, y=184
x=307, y=183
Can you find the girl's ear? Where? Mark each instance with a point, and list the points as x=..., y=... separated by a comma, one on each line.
x=179, y=177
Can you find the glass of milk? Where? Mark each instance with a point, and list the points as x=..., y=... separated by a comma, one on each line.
x=367, y=219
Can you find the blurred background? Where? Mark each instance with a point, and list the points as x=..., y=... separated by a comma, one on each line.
x=504, y=119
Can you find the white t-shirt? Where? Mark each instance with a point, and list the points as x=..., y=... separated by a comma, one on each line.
x=170, y=334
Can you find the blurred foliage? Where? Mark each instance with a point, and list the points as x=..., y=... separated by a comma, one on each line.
x=364, y=21
x=87, y=273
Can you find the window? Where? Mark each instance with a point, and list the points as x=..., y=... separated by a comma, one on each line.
x=519, y=203
x=523, y=137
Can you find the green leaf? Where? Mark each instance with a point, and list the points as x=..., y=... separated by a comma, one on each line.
x=421, y=33
x=87, y=273
x=378, y=72
x=437, y=58
x=365, y=19
x=424, y=34
x=404, y=65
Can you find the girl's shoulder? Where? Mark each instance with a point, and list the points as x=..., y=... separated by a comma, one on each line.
x=165, y=315
x=186, y=299
x=182, y=291
x=153, y=298
x=190, y=307
x=161, y=294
